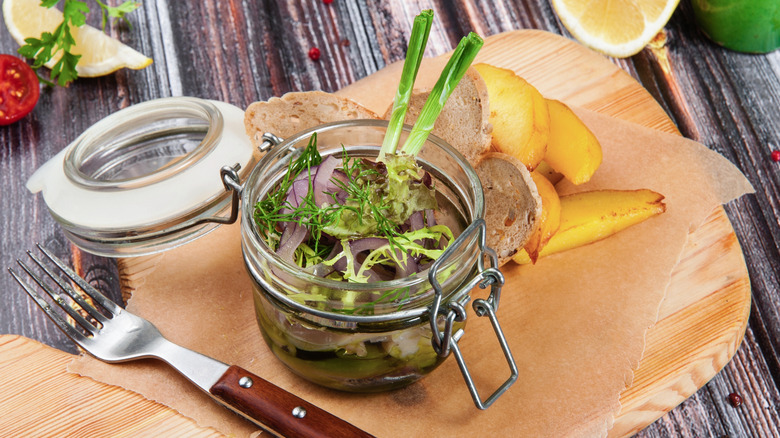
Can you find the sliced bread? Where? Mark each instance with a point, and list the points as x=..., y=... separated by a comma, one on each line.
x=463, y=122
x=512, y=203
x=297, y=111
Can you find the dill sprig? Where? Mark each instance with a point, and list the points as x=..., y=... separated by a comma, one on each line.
x=363, y=177
x=268, y=211
x=360, y=205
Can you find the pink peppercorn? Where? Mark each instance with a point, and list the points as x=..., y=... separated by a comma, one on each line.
x=735, y=399
x=314, y=54
x=776, y=156
x=327, y=2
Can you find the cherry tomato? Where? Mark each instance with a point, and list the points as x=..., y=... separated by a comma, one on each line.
x=19, y=89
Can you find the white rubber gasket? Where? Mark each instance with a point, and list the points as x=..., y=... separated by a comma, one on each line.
x=138, y=208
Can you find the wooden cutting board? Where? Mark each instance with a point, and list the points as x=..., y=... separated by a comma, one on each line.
x=701, y=321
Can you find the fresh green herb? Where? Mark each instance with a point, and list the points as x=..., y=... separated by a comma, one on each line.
x=269, y=211
x=414, y=55
x=376, y=202
x=456, y=67
x=74, y=13
x=361, y=213
x=116, y=12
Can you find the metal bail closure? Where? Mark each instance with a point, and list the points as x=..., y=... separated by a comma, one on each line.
x=269, y=140
x=445, y=340
x=232, y=182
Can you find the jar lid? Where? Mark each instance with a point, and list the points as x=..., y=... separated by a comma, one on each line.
x=148, y=177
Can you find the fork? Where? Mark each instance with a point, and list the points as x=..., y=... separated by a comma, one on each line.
x=116, y=335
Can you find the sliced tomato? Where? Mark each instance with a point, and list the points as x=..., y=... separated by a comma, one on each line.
x=19, y=89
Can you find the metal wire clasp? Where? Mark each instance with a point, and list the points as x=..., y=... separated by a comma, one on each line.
x=232, y=182
x=444, y=341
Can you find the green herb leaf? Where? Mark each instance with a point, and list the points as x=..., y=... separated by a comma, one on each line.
x=75, y=12
x=121, y=10
x=65, y=69
x=50, y=44
x=117, y=12
x=39, y=50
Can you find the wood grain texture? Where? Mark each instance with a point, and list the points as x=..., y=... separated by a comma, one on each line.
x=699, y=310
x=252, y=50
x=92, y=408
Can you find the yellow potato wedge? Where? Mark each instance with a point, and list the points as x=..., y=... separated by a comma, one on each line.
x=590, y=216
x=518, y=113
x=548, y=172
x=549, y=221
x=572, y=149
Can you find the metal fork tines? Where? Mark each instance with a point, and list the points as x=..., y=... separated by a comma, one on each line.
x=88, y=327
x=105, y=330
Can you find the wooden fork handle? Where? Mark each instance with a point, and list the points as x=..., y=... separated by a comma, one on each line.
x=276, y=409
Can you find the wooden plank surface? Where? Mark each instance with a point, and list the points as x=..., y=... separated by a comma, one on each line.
x=253, y=50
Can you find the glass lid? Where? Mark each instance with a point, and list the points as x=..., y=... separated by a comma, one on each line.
x=149, y=177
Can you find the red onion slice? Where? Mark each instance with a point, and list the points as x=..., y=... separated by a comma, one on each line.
x=430, y=219
x=337, y=181
x=292, y=237
x=407, y=266
x=321, y=180
x=298, y=191
x=367, y=243
x=416, y=221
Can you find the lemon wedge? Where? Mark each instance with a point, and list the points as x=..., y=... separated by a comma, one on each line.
x=618, y=28
x=100, y=53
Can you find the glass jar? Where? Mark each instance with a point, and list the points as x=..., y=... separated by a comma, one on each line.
x=390, y=342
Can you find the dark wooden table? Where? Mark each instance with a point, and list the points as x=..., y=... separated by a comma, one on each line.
x=243, y=51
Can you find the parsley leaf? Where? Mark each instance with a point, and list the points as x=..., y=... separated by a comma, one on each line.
x=39, y=50
x=65, y=69
x=50, y=44
x=75, y=11
x=117, y=12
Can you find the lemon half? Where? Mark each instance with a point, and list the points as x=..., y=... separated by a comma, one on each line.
x=100, y=53
x=618, y=28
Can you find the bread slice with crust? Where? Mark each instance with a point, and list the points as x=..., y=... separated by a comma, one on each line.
x=463, y=121
x=512, y=203
x=298, y=111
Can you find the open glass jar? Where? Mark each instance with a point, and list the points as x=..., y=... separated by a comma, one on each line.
x=398, y=330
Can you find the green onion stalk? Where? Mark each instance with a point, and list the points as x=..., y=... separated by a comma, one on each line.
x=453, y=72
x=414, y=55
x=456, y=67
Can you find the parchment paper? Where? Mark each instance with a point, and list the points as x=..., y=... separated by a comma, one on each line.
x=575, y=321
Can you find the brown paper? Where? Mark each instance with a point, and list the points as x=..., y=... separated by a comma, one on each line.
x=575, y=321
